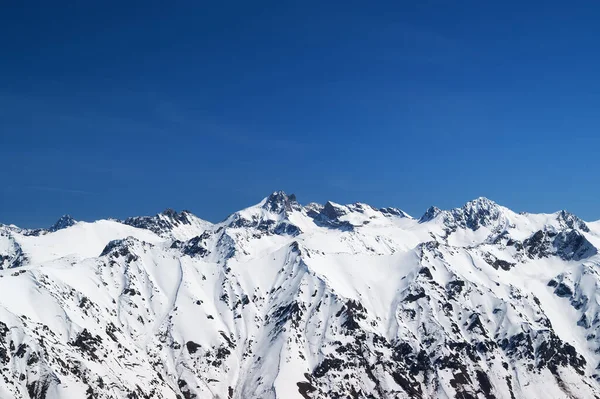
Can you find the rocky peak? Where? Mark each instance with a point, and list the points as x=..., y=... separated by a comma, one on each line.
x=176, y=217
x=163, y=223
x=333, y=211
x=280, y=202
x=474, y=214
x=62, y=223
x=389, y=211
x=569, y=221
x=270, y=216
x=170, y=213
x=477, y=213
x=431, y=213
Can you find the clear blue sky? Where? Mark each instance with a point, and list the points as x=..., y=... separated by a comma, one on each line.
x=125, y=108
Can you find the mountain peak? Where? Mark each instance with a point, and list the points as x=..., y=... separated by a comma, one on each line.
x=478, y=212
x=333, y=210
x=279, y=202
x=62, y=223
x=391, y=211
x=180, y=225
x=430, y=214
x=172, y=213
x=481, y=202
x=570, y=221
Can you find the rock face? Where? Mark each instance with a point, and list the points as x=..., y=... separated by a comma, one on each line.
x=282, y=300
x=62, y=223
x=280, y=202
x=169, y=223
x=11, y=254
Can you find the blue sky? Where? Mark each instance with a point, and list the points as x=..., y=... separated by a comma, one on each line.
x=112, y=109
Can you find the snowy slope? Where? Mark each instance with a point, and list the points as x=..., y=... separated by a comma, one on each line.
x=282, y=300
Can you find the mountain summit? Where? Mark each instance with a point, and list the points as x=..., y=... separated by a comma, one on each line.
x=279, y=202
x=62, y=223
x=283, y=300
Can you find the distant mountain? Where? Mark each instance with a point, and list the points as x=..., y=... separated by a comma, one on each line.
x=169, y=223
x=62, y=223
x=283, y=300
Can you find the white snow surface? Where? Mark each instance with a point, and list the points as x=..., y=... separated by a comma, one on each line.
x=320, y=301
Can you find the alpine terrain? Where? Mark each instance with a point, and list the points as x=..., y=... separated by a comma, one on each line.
x=282, y=300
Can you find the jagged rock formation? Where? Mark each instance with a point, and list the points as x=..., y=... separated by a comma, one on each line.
x=282, y=300
x=62, y=223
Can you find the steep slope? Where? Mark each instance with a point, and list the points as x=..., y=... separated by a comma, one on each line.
x=319, y=301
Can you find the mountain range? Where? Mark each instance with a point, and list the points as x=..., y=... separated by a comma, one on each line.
x=283, y=300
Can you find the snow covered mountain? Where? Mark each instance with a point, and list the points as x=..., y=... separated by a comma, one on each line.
x=286, y=301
